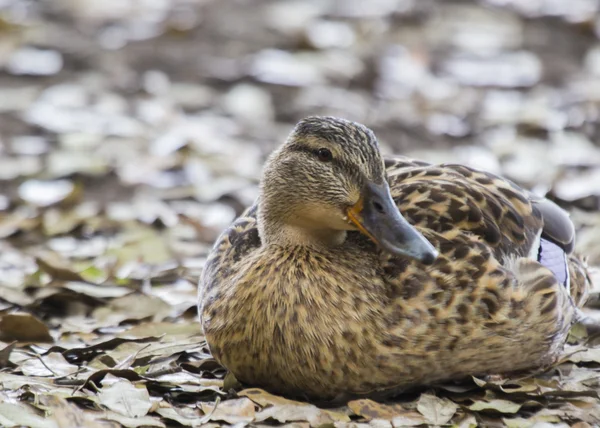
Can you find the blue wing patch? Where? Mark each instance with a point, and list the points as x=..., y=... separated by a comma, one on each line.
x=554, y=258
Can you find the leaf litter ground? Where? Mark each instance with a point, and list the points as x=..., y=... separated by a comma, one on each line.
x=131, y=136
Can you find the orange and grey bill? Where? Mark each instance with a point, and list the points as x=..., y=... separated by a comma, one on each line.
x=354, y=214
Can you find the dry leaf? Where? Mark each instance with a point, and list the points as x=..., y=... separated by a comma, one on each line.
x=123, y=397
x=239, y=410
x=67, y=415
x=396, y=413
x=284, y=410
x=502, y=406
x=133, y=307
x=118, y=173
x=23, y=328
x=184, y=416
x=590, y=355
x=159, y=328
x=438, y=411
x=58, y=272
x=5, y=354
x=132, y=422
x=13, y=381
x=52, y=364
x=21, y=414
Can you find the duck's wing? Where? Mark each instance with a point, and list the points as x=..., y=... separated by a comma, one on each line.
x=508, y=218
x=488, y=300
x=454, y=199
x=237, y=242
x=447, y=198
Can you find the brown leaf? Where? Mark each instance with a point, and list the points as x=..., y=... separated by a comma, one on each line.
x=5, y=354
x=238, y=410
x=230, y=382
x=370, y=410
x=23, y=327
x=581, y=425
x=58, y=272
x=284, y=410
x=184, y=416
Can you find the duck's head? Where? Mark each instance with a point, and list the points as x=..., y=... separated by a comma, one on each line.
x=329, y=178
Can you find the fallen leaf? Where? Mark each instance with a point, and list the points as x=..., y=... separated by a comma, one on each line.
x=98, y=291
x=57, y=271
x=67, y=415
x=125, y=398
x=184, y=416
x=23, y=327
x=133, y=306
x=13, y=381
x=284, y=410
x=97, y=377
x=238, y=410
x=45, y=193
x=15, y=296
x=230, y=382
x=52, y=364
x=159, y=328
x=132, y=422
x=125, y=354
x=75, y=355
x=502, y=406
x=581, y=425
x=589, y=355
x=438, y=411
x=371, y=410
x=160, y=349
x=21, y=414
x=467, y=421
x=5, y=354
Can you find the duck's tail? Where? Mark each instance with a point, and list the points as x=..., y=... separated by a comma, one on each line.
x=580, y=281
x=581, y=287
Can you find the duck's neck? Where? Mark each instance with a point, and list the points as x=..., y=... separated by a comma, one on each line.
x=284, y=229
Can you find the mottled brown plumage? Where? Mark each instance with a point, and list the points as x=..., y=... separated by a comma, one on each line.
x=294, y=299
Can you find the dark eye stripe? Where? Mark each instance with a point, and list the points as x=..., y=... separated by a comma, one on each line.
x=339, y=164
x=309, y=150
x=300, y=148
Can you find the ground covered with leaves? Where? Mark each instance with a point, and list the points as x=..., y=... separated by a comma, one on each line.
x=133, y=132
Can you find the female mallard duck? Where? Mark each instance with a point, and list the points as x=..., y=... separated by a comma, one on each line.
x=353, y=275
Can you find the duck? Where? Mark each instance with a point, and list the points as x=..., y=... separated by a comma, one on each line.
x=355, y=275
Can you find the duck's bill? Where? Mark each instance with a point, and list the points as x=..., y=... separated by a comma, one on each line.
x=377, y=216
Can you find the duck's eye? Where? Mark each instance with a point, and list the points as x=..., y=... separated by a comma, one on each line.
x=324, y=155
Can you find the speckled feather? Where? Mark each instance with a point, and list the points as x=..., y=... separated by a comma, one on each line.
x=353, y=320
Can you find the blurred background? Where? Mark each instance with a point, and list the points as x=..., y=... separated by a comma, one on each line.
x=133, y=131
